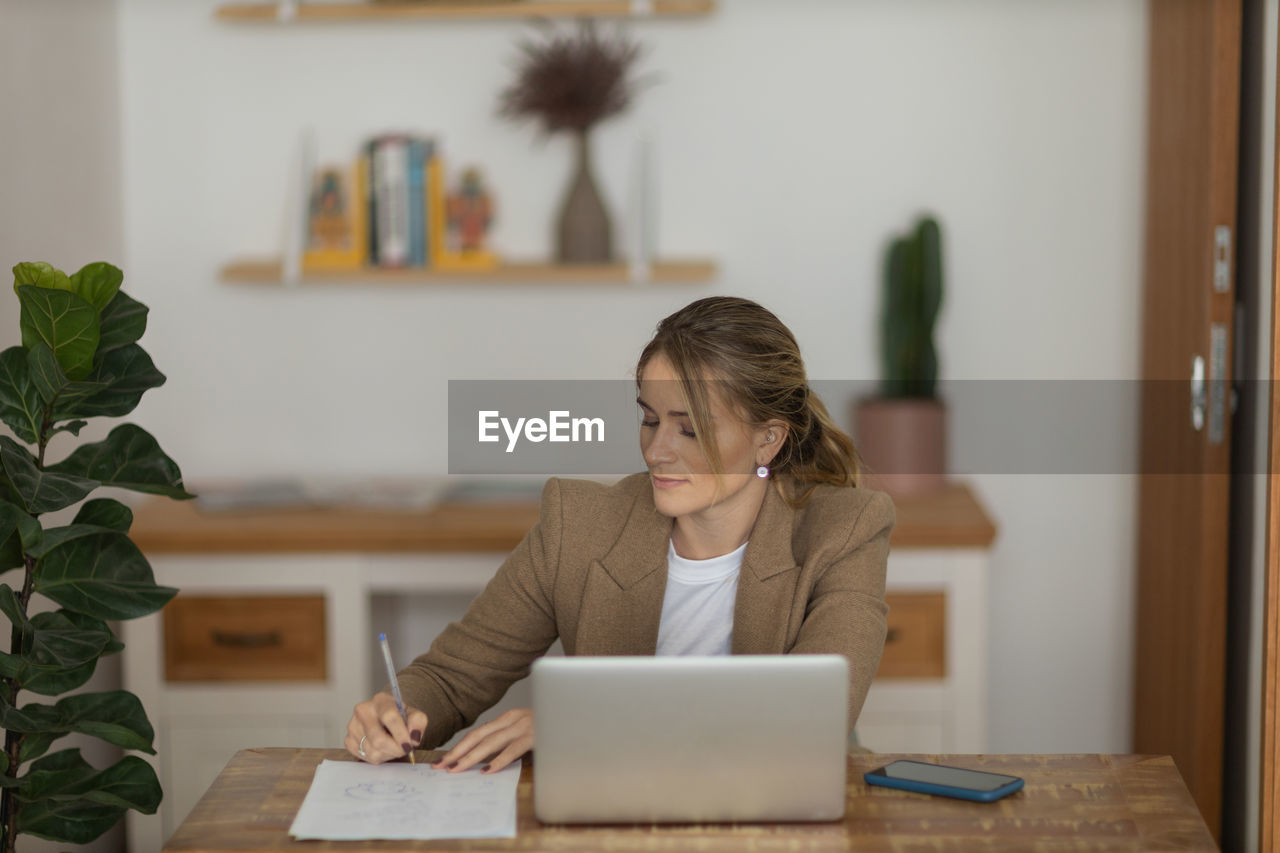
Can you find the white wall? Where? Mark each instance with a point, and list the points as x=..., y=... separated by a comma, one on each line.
x=60, y=196
x=59, y=107
x=792, y=138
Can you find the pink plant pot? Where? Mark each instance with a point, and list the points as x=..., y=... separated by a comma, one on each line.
x=903, y=444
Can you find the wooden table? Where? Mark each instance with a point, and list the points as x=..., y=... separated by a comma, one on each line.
x=1096, y=803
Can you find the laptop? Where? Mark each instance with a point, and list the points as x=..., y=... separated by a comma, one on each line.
x=737, y=738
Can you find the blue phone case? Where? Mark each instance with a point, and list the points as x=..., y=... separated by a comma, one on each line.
x=944, y=790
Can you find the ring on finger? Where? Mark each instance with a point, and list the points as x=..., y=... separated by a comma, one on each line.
x=360, y=748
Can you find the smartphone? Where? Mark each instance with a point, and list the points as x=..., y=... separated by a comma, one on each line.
x=976, y=785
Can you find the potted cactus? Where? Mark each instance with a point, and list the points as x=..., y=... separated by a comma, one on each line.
x=901, y=432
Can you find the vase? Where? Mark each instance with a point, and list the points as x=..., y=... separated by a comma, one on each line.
x=903, y=442
x=584, y=235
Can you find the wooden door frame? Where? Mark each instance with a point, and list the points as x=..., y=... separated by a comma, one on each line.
x=1269, y=823
x=1269, y=829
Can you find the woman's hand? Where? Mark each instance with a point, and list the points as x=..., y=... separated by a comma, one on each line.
x=376, y=732
x=501, y=740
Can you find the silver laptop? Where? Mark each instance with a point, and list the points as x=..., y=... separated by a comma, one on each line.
x=690, y=739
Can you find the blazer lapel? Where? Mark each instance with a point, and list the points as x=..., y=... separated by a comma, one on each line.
x=622, y=604
x=766, y=583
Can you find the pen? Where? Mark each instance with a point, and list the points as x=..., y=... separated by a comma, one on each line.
x=395, y=685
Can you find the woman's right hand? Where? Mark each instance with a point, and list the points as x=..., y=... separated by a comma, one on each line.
x=376, y=732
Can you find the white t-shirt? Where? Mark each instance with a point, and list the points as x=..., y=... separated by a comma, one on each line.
x=697, y=609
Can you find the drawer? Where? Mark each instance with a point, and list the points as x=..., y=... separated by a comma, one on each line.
x=244, y=638
x=915, y=646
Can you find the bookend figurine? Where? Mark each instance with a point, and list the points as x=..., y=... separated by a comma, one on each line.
x=470, y=211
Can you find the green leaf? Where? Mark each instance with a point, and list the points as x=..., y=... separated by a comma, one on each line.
x=97, y=283
x=31, y=718
x=67, y=821
x=115, y=716
x=122, y=322
x=57, y=536
x=18, y=531
x=72, y=427
x=126, y=374
x=63, y=759
x=129, y=783
x=36, y=744
x=52, y=382
x=20, y=405
x=128, y=458
x=40, y=274
x=105, y=512
x=62, y=321
x=63, y=653
x=12, y=608
x=47, y=681
x=103, y=575
x=39, y=491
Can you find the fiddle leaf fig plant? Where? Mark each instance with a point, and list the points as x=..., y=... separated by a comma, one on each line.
x=79, y=359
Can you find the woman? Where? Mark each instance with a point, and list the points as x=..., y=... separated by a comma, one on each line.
x=747, y=535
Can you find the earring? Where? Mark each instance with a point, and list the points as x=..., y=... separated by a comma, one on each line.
x=762, y=472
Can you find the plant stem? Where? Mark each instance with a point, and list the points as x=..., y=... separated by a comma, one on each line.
x=12, y=739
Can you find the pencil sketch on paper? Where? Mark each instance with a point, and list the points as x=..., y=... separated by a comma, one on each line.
x=351, y=800
x=381, y=791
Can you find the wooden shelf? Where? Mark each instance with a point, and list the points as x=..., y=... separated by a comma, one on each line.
x=261, y=12
x=661, y=272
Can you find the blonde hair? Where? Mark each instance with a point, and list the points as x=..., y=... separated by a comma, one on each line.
x=754, y=361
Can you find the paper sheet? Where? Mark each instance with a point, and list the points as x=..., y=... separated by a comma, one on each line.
x=350, y=800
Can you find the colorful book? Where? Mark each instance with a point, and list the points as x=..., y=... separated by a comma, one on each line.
x=419, y=153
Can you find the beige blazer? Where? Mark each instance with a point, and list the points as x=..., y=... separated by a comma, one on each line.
x=593, y=572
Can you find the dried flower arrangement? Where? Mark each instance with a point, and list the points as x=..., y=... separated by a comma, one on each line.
x=572, y=83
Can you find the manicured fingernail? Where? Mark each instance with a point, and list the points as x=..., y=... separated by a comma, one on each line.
x=415, y=735
x=407, y=748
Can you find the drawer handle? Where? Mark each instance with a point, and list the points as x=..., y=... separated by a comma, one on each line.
x=247, y=641
x=891, y=636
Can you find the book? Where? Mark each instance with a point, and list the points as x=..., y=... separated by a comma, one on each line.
x=420, y=151
x=391, y=200
x=370, y=203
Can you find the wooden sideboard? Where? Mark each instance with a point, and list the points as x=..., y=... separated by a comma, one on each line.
x=270, y=642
